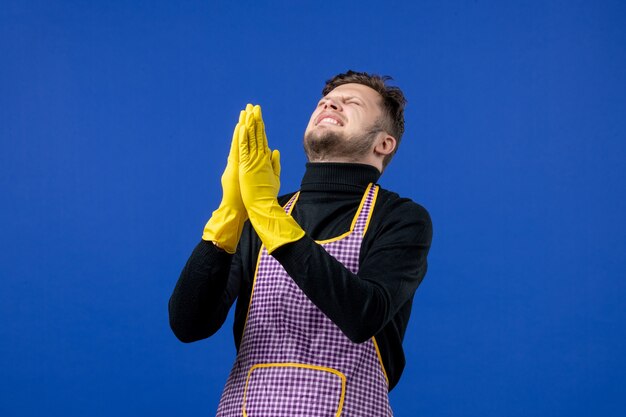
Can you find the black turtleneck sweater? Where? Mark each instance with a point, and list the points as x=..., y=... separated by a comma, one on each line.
x=375, y=302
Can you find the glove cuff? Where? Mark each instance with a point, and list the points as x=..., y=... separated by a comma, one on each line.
x=224, y=228
x=275, y=227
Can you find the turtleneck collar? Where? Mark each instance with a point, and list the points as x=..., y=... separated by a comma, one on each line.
x=336, y=176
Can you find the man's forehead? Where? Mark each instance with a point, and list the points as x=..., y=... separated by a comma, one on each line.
x=358, y=90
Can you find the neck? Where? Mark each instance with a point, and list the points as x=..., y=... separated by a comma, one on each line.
x=338, y=176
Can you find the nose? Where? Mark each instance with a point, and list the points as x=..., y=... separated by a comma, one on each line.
x=329, y=102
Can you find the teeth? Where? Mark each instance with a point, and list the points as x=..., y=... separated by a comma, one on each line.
x=329, y=120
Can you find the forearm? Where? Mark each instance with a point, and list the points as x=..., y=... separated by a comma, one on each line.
x=360, y=307
x=201, y=299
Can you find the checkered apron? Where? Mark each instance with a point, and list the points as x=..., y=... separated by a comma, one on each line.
x=293, y=361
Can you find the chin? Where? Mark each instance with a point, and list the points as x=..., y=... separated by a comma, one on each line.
x=325, y=144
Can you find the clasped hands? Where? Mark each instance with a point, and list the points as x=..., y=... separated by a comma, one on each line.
x=250, y=185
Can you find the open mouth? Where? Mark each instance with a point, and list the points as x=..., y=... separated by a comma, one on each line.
x=328, y=120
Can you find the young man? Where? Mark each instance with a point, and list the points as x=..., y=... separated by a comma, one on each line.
x=324, y=278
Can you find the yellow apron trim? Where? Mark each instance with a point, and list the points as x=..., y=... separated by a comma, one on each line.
x=356, y=217
x=295, y=197
x=292, y=200
x=369, y=215
x=302, y=366
x=358, y=211
x=380, y=358
x=334, y=239
x=256, y=270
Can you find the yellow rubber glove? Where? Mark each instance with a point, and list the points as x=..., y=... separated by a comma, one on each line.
x=259, y=180
x=225, y=225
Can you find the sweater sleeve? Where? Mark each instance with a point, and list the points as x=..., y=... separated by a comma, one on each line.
x=205, y=291
x=393, y=264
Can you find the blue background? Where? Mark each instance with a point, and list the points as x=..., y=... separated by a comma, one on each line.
x=115, y=122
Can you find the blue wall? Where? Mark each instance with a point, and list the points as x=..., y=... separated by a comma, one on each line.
x=115, y=122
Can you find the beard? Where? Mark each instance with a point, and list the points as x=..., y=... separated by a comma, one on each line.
x=327, y=145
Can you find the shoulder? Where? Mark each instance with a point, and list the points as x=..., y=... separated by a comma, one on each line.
x=400, y=219
x=390, y=203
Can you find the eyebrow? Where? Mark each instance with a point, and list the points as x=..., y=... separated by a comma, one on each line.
x=346, y=97
x=353, y=97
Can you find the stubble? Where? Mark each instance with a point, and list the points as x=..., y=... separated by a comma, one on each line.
x=328, y=145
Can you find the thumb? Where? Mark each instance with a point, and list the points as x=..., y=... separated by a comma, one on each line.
x=233, y=155
x=276, y=162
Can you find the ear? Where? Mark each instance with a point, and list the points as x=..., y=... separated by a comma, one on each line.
x=386, y=145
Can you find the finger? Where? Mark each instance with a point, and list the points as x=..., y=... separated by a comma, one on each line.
x=261, y=139
x=257, y=111
x=251, y=134
x=234, y=145
x=247, y=113
x=276, y=162
x=233, y=154
x=242, y=139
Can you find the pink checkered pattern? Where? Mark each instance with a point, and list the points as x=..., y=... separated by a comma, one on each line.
x=293, y=360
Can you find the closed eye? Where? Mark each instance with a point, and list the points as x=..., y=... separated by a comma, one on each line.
x=352, y=100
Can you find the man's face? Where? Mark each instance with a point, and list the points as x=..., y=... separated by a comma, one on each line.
x=344, y=125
